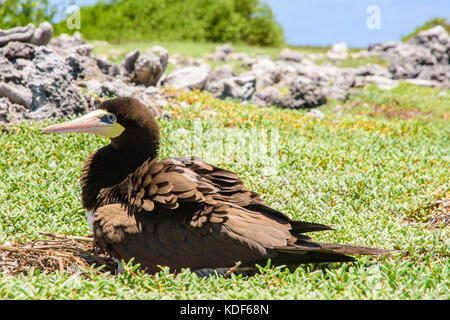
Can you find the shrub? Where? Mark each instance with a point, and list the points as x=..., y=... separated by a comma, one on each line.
x=249, y=21
x=16, y=13
x=428, y=25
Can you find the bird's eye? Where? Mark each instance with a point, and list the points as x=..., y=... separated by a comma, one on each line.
x=108, y=118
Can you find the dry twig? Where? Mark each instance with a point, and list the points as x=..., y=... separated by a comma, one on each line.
x=231, y=270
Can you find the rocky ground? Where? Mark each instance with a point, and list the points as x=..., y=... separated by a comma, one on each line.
x=42, y=76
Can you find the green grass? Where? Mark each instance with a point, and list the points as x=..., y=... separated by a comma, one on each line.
x=353, y=62
x=372, y=177
x=116, y=52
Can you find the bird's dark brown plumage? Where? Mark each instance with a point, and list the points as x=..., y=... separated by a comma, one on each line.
x=184, y=213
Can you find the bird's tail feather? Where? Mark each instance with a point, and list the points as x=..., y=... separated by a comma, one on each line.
x=316, y=252
x=302, y=227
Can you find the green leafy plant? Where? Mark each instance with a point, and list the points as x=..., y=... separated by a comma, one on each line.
x=428, y=25
x=248, y=21
x=16, y=13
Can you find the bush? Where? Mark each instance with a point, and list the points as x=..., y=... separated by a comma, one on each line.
x=16, y=13
x=249, y=21
x=428, y=25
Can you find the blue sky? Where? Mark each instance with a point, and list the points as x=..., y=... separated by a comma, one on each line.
x=324, y=22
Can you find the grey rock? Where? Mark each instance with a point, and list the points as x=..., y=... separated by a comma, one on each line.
x=162, y=54
x=118, y=88
x=87, y=67
x=22, y=34
x=240, y=87
x=130, y=60
x=290, y=55
x=334, y=83
x=372, y=70
x=215, y=81
x=304, y=93
x=383, y=47
x=16, y=94
x=38, y=82
x=114, y=70
x=166, y=115
x=15, y=50
x=364, y=54
x=423, y=82
x=154, y=99
x=42, y=35
x=221, y=73
x=104, y=65
x=246, y=60
x=188, y=78
x=221, y=53
x=182, y=60
x=315, y=56
x=315, y=113
x=438, y=72
x=9, y=72
x=11, y=112
x=284, y=73
x=437, y=40
x=82, y=50
x=76, y=65
x=263, y=70
x=226, y=48
x=93, y=86
x=425, y=56
x=338, y=51
x=336, y=93
x=149, y=68
x=50, y=78
x=383, y=83
x=216, y=88
x=65, y=41
x=266, y=96
x=415, y=54
x=41, y=81
x=404, y=70
x=37, y=36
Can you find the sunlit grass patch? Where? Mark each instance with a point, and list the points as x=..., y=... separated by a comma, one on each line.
x=373, y=178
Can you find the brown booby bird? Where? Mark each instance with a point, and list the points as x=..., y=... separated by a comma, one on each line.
x=182, y=212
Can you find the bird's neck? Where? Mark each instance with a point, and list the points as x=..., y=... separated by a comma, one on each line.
x=108, y=166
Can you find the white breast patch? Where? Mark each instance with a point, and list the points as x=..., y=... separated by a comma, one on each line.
x=90, y=219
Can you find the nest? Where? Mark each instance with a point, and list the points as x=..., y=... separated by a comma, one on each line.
x=59, y=253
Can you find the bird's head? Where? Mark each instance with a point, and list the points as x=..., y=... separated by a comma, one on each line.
x=126, y=121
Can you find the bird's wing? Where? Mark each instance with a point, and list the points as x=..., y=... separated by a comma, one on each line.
x=231, y=189
x=166, y=185
x=168, y=209
x=190, y=185
x=180, y=214
x=167, y=239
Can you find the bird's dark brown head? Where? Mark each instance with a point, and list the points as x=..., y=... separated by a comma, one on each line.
x=140, y=129
x=134, y=136
x=129, y=124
